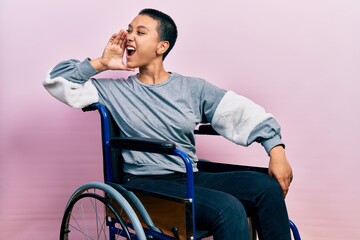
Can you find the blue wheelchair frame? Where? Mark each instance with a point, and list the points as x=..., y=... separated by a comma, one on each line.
x=155, y=146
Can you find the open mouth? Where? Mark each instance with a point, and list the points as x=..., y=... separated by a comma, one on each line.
x=130, y=51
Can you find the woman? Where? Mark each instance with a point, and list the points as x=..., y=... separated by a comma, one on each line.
x=158, y=104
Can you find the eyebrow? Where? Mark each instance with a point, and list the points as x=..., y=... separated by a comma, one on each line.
x=141, y=26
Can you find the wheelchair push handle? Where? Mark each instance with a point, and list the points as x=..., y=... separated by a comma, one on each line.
x=92, y=107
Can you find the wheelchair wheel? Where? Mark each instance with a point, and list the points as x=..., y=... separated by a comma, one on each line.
x=97, y=211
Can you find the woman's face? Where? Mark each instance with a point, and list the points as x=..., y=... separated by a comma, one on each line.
x=142, y=42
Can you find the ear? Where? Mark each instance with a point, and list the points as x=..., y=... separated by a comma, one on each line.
x=163, y=46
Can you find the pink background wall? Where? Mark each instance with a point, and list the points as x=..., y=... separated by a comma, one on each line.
x=299, y=59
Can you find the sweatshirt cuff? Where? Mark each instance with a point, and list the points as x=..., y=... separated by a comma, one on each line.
x=86, y=70
x=268, y=144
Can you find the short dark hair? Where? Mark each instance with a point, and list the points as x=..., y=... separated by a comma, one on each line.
x=167, y=29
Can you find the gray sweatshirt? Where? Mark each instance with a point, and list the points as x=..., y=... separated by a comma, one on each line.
x=169, y=111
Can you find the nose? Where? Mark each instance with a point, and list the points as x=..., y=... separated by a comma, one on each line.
x=130, y=37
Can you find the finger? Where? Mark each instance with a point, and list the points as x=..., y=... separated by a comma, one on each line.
x=284, y=185
x=128, y=68
x=112, y=38
x=118, y=37
x=285, y=193
x=123, y=34
x=123, y=39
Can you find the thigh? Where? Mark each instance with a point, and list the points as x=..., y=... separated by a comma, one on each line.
x=246, y=186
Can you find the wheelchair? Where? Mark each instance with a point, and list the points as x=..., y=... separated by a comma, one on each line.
x=109, y=210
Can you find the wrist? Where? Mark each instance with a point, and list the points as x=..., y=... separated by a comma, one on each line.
x=276, y=151
x=270, y=143
x=99, y=64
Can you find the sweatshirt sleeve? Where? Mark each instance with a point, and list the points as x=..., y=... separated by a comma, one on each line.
x=68, y=82
x=243, y=122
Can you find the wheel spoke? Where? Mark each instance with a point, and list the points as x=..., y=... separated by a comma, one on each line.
x=84, y=220
x=92, y=216
x=80, y=231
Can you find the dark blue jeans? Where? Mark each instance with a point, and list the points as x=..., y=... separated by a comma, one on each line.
x=223, y=201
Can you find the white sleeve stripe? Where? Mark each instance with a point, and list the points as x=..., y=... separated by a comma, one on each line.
x=73, y=94
x=236, y=117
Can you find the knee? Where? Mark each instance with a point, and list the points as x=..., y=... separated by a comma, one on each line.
x=231, y=211
x=223, y=215
x=232, y=207
x=270, y=190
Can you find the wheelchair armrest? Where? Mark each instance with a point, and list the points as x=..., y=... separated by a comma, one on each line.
x=143, y=144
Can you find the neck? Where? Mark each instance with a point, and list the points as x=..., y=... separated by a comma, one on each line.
x=153, y=74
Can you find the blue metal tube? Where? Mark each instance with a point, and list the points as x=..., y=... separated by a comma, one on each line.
x=106, y=141
x=189, y=181
x=294, y=230
x=189, y=172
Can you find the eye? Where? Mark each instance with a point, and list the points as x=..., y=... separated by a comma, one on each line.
x=128, y=31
